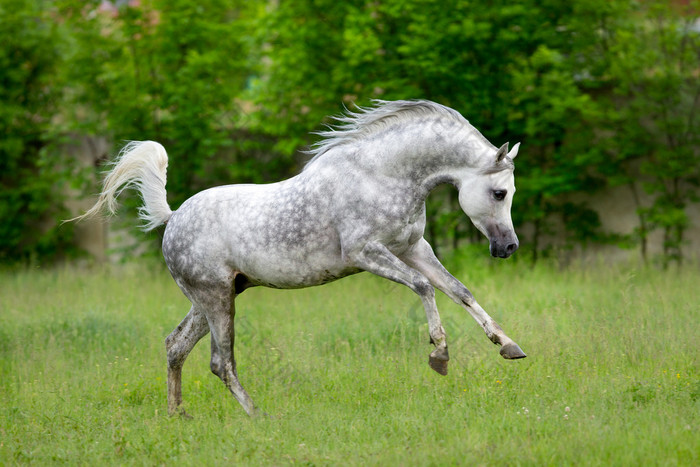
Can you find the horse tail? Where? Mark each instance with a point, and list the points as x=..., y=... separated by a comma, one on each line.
x=141, y=165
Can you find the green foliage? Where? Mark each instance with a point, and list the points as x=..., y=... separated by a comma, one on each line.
x=512, y=69
x=601, y=93
x=656, y=87
x=170, y=72
x=30, y=175
x=167, y=71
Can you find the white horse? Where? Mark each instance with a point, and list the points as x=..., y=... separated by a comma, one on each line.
x=358, y=205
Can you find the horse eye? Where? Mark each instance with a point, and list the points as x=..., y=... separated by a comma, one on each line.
x=499, y=195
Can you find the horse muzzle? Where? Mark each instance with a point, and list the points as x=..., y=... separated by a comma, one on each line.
x=502, y=242
x=500, y=250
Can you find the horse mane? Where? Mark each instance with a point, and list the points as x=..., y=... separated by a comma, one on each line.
x=353, y=126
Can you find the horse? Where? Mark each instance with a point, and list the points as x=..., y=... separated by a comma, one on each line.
x=357, y=205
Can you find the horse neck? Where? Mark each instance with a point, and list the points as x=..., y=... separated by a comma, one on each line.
x=427, y=153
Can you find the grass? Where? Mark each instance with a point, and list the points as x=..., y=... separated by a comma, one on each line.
x=611, y=379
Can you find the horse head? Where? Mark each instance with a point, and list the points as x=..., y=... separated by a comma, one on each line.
x=486, y=196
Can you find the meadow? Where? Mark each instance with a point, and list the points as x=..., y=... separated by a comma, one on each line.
x=611, y=377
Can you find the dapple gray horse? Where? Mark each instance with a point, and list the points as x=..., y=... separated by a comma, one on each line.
x=358, y=205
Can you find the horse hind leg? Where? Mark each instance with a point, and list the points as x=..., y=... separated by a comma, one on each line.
x=178, y=345
x=223, y=363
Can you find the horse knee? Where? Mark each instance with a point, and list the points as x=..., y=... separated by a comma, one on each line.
x=464, y=295
x=422, y=286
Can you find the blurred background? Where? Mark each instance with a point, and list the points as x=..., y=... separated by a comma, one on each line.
x=603, y=94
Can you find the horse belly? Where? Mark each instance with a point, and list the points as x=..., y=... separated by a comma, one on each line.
x=285, y=267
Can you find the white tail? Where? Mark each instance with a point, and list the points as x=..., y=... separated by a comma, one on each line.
x=141, y=165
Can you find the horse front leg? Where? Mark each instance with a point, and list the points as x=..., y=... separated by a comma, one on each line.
x=422, y=258
x=377, y=259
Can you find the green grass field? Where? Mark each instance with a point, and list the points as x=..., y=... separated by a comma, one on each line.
x=611, y=377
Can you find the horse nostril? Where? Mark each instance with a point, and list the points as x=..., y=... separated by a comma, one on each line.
x=511, y=248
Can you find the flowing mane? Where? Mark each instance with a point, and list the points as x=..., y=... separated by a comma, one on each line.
x=352, y=126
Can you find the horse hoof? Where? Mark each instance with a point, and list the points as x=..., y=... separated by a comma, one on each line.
x=438, y=365
x=512, y=351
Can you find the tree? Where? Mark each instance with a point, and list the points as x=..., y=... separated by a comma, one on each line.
x=168, y=71
x=31, y=173
x=659, y=111
x=648, y=61
x=509, y=68
x=600, y=92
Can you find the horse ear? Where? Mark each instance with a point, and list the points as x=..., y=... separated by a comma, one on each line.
x=501, y=153
x=514, y=152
